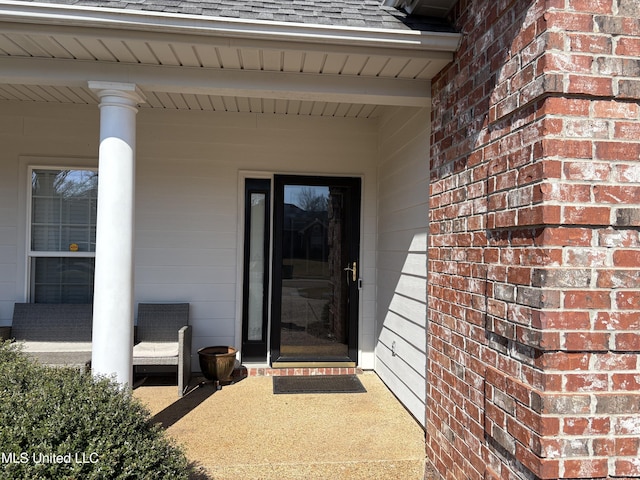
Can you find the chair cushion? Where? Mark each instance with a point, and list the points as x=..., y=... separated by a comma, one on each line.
x=155, y=349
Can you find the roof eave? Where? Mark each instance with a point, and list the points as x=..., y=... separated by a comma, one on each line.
x=78, y=16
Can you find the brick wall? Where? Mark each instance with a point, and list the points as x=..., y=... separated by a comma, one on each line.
x=534, y=248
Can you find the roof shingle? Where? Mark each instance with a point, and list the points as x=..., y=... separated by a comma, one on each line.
x=359, y=13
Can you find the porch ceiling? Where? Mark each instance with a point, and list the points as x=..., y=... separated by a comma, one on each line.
x=49, y=53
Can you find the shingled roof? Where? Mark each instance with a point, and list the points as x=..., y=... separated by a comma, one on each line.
x=351, y=13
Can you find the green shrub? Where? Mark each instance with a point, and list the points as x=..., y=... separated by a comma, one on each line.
x=56, y=423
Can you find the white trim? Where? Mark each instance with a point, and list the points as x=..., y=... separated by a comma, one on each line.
x=49, y=253
x=27, y=164
x=61, y=254
x=220, y=41
x=80, y=16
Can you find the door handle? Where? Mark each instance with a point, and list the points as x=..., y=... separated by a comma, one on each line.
x=354, y=271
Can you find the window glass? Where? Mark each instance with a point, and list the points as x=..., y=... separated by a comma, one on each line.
x=63, y=235
x=63, y=210
x=256, y=266
x=62, y=279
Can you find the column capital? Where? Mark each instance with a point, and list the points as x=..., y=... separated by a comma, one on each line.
x=116, y=93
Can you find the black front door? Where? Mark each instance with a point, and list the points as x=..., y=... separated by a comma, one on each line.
x=314, y=316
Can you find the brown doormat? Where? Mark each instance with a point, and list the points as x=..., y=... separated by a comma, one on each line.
x=318, y=384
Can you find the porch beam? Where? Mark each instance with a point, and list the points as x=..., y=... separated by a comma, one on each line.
x=112, y=350
x=208, y=81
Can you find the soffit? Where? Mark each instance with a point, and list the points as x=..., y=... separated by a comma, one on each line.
x=228, y=67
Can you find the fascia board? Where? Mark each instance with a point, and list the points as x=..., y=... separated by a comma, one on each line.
x=78, y=16
x=218, y=41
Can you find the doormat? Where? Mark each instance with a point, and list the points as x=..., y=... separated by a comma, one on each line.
x=318, y=384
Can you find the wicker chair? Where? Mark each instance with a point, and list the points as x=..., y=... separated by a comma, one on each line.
x=163, y=337
x=55, y=334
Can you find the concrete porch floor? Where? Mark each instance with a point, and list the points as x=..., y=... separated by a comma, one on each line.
x=244, y=431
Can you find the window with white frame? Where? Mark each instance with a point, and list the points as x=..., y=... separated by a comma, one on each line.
x=62, y=234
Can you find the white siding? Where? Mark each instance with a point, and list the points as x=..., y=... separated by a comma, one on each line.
x=188, y=171
x=188, y=168
x=27, y=129
x=403, y=193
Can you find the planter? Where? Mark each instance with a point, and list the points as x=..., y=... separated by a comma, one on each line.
x=217, y=363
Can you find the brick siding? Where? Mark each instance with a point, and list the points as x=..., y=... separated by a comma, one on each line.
x=534, y=247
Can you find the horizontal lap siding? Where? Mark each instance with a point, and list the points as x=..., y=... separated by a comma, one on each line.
x=30, y=130
x=186, y=218
x=187, y=175
x=187, y=213
x=401, y=259
x=8, y=246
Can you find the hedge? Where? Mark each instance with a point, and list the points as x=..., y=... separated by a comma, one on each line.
x=58, y=423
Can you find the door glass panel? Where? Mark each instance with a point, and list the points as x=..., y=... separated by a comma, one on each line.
x=255, y=304
x=314, y=297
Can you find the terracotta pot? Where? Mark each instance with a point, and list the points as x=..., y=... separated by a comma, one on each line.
x=217, y=363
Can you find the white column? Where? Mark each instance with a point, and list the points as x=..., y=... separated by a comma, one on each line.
x=112, y=349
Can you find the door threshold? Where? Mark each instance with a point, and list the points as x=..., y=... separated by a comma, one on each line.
x=313, y=365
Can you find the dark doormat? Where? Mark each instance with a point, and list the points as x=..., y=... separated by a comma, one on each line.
x=318, y=384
